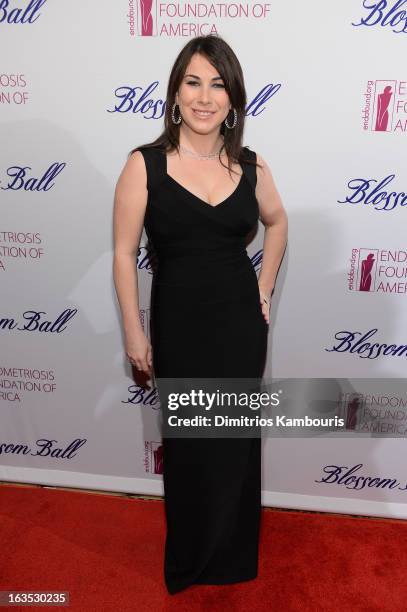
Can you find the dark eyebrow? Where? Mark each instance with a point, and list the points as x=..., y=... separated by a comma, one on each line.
x=197, y=77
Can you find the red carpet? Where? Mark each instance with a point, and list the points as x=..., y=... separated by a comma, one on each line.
x=107, y=552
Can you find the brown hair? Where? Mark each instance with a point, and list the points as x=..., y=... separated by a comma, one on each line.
x=223, y=58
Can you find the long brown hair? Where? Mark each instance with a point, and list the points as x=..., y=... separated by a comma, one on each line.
x=223, y=58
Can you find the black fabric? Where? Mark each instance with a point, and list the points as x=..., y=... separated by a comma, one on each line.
x=206, y=321
x=250, y=169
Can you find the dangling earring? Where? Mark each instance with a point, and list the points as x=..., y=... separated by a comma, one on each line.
x=230, y=127
x=176, y=121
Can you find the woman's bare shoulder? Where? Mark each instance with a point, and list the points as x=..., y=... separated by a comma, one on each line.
x=134, y=172
x=136, y=163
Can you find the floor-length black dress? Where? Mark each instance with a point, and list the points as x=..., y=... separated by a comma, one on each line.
x=206, y=320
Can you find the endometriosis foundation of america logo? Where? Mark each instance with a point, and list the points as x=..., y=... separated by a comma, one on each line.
x=385, y=107
x=378, y=271
x=143, y=17
x=361, y=276
x=184, y=19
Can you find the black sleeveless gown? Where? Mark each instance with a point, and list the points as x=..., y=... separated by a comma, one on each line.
x=206, y=321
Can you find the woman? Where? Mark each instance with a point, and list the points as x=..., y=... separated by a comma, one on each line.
x=199, y=193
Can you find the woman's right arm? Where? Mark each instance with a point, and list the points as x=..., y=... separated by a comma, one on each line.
x=130, y=203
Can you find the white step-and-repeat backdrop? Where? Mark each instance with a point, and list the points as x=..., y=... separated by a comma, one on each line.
x=82, y=83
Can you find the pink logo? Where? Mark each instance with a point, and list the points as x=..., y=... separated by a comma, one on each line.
x=353, y=407
x=153, y=457
x=158, y=458
x=361, y=276
x=378, y=271
x=142, y=17
x=382, y=108
x=184, y=19
x=146, y=18
x=385, y=107
x=366, y=266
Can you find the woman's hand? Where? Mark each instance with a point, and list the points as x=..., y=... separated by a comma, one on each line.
x=139, y=352
x=265, y=300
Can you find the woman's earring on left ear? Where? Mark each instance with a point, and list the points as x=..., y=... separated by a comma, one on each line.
x=176, y=121
x=230, y=127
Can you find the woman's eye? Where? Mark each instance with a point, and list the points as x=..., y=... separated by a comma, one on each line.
x=196, y=83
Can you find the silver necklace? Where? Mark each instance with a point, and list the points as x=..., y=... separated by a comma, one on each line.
x=199, y=155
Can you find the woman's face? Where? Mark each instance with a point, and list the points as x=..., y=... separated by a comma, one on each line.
x=202, y=89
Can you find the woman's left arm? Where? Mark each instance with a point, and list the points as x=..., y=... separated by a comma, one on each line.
x=274, y=218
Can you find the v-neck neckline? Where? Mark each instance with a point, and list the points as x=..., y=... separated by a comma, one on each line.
x=197, y=197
